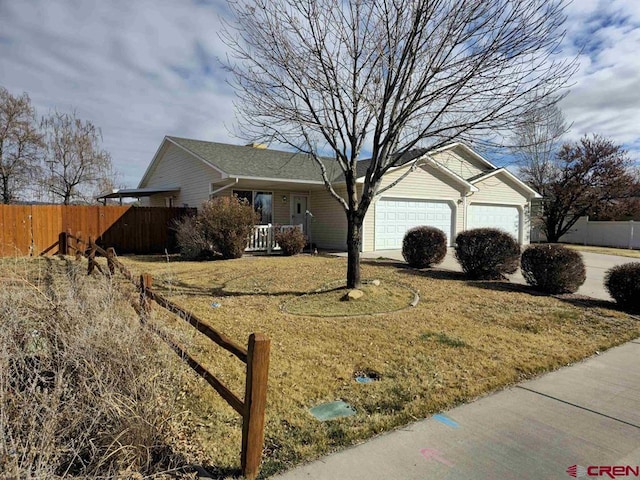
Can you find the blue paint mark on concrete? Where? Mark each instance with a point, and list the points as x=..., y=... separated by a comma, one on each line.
x=446, y=420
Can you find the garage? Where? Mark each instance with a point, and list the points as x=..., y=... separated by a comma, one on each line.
x=503, y=217
x=394, y=216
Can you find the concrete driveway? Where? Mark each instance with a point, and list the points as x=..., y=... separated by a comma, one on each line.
x=596, y=264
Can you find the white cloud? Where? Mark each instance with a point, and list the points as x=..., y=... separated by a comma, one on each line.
x=606, y=96
x=139, y=70
x=144, y=69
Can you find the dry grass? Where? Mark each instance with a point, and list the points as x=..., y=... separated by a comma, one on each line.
x=80, y=390
x=464, y=339
x=622, y=252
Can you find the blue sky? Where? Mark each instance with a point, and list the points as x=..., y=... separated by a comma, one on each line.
x=144, y=69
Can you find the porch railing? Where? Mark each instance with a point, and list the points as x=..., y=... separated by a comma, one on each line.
x=263, y=238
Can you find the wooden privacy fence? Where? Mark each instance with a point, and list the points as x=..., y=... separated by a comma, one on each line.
x=255, y=355
x=34, y=229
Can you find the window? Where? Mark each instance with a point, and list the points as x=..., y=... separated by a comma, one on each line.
x=262, y=203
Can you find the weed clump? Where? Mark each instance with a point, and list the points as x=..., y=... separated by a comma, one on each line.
x=79, y=391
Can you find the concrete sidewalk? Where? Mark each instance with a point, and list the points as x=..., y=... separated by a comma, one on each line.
x=587, y=415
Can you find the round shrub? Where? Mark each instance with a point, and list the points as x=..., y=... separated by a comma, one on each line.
x=487, y=253
x=424, y=246
x=553, y=268
x=291, y=240
x=623, y=284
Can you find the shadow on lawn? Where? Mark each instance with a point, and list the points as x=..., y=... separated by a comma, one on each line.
x=224, y=290
x=506, y=286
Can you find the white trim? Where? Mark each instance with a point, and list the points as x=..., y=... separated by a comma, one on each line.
x=434, y=163
x=453, y=146
x=282, y=180
x=212, y=192
x=512, y=177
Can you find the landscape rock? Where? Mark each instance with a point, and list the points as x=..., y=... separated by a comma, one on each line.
x=353, y=295
x=375, y=283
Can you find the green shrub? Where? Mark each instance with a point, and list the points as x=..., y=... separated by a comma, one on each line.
x=623, y=284
x=291, y=240
x=221, y=228
x=424, y=246
x=487, y=253
x=553, y=268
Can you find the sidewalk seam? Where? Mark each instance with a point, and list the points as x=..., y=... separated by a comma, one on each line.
x=579, y=406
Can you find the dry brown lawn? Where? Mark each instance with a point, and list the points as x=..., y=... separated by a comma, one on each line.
x=462, y=340
x=622, y=252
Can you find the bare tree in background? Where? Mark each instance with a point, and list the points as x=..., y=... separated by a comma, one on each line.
x=20, y=145
x=386, y=76
x=75, y=163
x=537, y=138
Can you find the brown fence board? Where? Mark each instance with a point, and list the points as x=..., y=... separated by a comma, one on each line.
x=32, y=229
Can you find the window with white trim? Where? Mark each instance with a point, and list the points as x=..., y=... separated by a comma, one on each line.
x=262, y=203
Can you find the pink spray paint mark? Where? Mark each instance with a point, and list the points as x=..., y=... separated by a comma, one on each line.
x=431, y=454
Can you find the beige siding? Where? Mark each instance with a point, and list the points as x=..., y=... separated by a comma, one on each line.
x=466, y=167
x=175, y=167
x=425, y=183
x=329, y=223
x=498, y=189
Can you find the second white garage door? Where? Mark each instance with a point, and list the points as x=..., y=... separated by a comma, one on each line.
x=394, y=216
x=503, y=217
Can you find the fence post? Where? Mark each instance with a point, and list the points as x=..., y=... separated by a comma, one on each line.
x=111, y=253
x=62, y=243
x=92, y=256
x=146, y=280
x=255, y=400
x=269, y=238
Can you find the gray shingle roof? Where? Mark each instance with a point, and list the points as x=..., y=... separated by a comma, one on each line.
x=248, y=161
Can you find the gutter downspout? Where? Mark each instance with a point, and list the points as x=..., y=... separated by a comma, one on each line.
x=466, y=210
x=223, y=188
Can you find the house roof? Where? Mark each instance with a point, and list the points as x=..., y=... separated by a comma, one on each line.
x=251, y=162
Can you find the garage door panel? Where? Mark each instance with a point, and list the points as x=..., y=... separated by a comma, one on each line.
x=394, y=217
x=503, y=217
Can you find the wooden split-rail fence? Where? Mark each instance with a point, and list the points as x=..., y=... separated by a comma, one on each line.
x=255, y=355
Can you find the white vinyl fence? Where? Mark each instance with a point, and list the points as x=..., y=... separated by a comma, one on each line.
x=601, y=234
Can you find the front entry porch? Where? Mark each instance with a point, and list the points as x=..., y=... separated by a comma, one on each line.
x=263, y=238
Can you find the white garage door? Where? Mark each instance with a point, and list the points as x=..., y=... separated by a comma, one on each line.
x=503, y=217
x=394, y=216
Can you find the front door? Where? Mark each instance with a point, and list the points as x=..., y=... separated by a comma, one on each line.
x=299, y=211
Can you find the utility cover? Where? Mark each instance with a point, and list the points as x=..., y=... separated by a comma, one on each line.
x=332, y=410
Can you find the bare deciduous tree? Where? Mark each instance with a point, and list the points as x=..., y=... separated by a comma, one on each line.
x=75, y=163
x=536, y=141
x=385, y=76
x=20, y=144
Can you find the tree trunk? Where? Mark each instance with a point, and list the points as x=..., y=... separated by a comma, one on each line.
x=354, y=234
